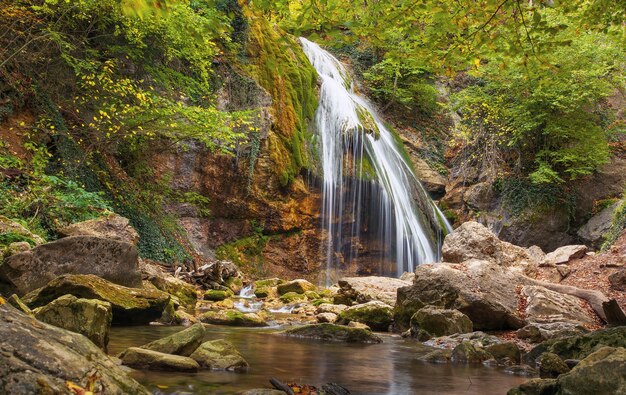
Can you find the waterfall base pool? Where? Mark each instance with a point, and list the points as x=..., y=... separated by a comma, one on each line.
x=387, y=368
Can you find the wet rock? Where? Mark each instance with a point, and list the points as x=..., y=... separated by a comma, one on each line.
x=505, y=353
x=131, y=306
x=37, y=358
x=365, y=289
x=479, y=289
x=293, y=297
x=298, y=286
x=113, y=260
x=332, y=332
x=544, y=305
x=359, y=325
x=432, y=180
x=618, y=280
x=538, y=332
x=437, y=356
x=466, y=352
x=326, y=317
x=472, y=240
x=551, y=366
x=477, y=339
x=112, y=226
x=267, y=287
x=375, y=314
x=232, y=318
x=219, y=355
x=593, y=232
x=182, y=343
x=439, y=322
x=140, y=358
x=89, y=317
x=217, y=295
x=185, y=294
x=535, y=387
x=330, y=308
x=602, y=372
x=564, y=254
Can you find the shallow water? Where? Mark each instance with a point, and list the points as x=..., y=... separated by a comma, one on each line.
x=387, y=368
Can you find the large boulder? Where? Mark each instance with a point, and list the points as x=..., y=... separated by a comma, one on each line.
x=131, y=306
x=298, y=286
x=182, y=343
x=564, y=254
x=37, y=358
x=113, y=260
x=232, y=318
x=472, y=240
x=482, y=290
x=332, y=332
x=219, y=355
x=266, y=287
x=433, y=322
x=365, y=289
x=377, y=315
x=89, y=317
x=112, y=226
x=594, y=231
x=546, y=306
x=140, y=358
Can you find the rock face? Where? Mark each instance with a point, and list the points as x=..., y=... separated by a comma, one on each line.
x=564, y=254
x=232, y=318
x=592, y=233
x=131, y=306
x=474, y=241
x=140, y=358
x=332, y=332
x=219, y=355
x=182, y=343
x=482, y=290
x=113, y=226
x=377, y=315
x=298, y=286
x=439, y=322
x=364, y=289
x=545, y=306
x=89, y=317
x=37, y=358
x=113, y=260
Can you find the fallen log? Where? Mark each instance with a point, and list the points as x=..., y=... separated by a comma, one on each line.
x=595, y=298
x=281, y=386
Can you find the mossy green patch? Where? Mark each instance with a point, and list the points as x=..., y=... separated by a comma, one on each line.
x=217, y=295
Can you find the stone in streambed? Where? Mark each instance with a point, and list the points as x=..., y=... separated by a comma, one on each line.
x=293, y=297
x=355, y=290
x=89, y=317
x=267, y=287
x=140, y=358
x=298, y=286
x=217, y=295
x=439, y=322
x=131, y=306
x=375, y=314
x=551, y=365
x=467, y=352
x=219, y=355
x=184, y=293
x=326, y=317
x=182, y=343
x=332, y=332
x=232, y=318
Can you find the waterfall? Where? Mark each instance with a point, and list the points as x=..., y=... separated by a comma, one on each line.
x=370, y=195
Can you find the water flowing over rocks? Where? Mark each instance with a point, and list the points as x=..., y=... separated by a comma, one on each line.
x=39, y=358
x=131, y=306
x=113, y=260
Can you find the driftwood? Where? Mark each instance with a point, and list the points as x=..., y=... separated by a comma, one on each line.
x=281, y=386
x=614, y=314
x=595, y=298
x=334, y=389
x=209, y=276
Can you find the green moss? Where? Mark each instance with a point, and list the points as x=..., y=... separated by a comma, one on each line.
x=311, y=295
x=247, y=253
x=217, y=295
x=618, y=225
x=292, y=297
x=318, y=302
x=332, y=332
x=376, y=317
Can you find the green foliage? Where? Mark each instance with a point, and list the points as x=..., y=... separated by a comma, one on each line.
x=520, y=195
x=7, y=238
x=618, y=225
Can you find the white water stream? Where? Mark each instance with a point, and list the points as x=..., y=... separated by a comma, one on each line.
x=370, y=194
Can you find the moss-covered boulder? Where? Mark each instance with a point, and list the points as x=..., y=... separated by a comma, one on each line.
x=219, y=355
x=140, y=358
x=89, y=317
x=505, y=353
x=602, y=372
x=311, y=295
x=232, y=318
x=336, y=333
x=182, y=343
x=131, y=306
x=298, y=286
x=184, y=293
x=377, y=315
x=551, y=365
x=37, y=358
x=536, y=387
x=267, y=287
x=433, y=322
x=235, y=284
x=293, y=297
x=217, y=295
x=468, y=352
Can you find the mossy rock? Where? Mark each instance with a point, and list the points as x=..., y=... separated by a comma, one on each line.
x=217, y=295
x=336, y=333
x=268, y=282
x=505, y=353
x=293, y=297
x=440, y=322
x=551, y=366
x=375, y=314
x=232, y=318
x=219, y=355
x=235, y=284
x=535, y=387
x=131, y=306
x=185, y=293
x=298, y=286
x=182, y=343
x=319, y=302
x=602, y=372
x=16, y=302
x=466, y=352
x=325, y=293
x=311, y=295
x=140, y=358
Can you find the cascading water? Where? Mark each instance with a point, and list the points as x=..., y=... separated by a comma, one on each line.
x=370, y=195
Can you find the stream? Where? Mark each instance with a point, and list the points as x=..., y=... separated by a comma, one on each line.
x=387, y=368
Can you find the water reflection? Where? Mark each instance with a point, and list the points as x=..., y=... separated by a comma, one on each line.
x=387, y=368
